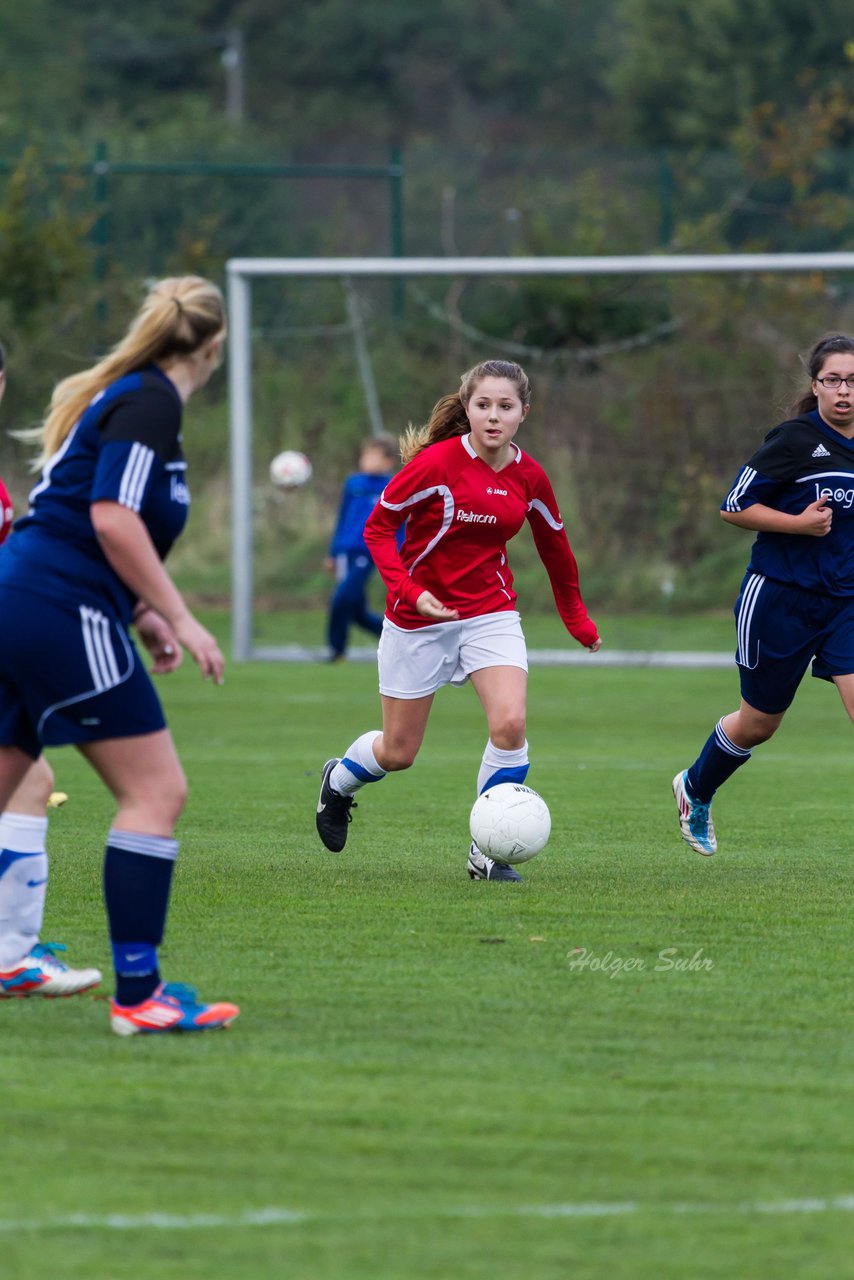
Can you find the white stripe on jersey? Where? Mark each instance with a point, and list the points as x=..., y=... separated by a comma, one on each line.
x=135, y=476
x=745, y=479
x=824, y=475
x=99, y=649
x=447, y=497
x=745, y=617
x=536, y=505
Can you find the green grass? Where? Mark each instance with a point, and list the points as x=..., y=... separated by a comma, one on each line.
x=418, y=1071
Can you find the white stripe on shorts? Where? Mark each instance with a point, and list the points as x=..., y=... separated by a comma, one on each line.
x=745, y=617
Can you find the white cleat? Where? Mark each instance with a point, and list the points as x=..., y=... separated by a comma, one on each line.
x=41, y=974
x=695, y=819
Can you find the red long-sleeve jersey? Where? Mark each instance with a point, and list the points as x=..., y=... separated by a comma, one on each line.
x=460, y=515
x=5, y=512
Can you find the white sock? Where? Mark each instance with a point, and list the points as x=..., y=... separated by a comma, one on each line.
x=357, y=766
x=502, y=766
x=23, y=884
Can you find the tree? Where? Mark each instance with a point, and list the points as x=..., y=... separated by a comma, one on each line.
x=687, y=73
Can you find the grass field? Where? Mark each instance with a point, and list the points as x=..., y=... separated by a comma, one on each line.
x=424, y=1081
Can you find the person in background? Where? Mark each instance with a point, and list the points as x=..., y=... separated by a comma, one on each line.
x=796, y=605
x=83, y=565
x=28, y=967
x=349, y=558
x=465, y=490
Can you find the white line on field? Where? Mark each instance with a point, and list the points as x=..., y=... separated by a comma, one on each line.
x=273, y=1217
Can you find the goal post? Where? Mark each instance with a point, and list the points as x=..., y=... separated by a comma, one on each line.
x=240, y=273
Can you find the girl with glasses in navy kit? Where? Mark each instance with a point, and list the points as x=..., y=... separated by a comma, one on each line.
x=796, y=605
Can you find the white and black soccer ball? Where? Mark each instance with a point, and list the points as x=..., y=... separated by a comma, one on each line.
x=510, y=822
x=290, y=469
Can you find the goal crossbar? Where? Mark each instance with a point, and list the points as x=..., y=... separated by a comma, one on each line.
x=240, y=272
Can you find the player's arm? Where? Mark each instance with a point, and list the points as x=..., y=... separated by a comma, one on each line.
x=814, y=521
x=381, y=539
x=560, y=564
x=6, y=513
x=136, y=439
x=130, y=553
x=750, y=503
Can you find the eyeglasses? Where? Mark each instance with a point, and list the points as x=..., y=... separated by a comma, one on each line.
x=833, y=380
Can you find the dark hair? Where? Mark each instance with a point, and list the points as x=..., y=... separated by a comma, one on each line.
x=2, y=358
x=831, y=344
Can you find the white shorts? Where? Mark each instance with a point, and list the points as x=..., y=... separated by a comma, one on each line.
x=413, y=664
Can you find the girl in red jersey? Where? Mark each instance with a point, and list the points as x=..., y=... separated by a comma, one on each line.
x=465, y=491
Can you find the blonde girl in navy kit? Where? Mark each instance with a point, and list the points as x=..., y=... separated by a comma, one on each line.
x=79, y=569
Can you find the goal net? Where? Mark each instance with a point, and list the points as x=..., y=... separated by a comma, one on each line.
x=642, y=327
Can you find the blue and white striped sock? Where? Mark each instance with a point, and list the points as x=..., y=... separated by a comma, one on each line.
x=23, y=884
x=357, y=766
x=498, y=766
x=718, y=761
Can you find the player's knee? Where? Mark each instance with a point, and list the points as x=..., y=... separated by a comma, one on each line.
x=756, y=730
x=509, y=733
x=164, y=797
x=398, y=756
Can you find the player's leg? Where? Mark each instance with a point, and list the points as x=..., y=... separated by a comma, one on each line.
x=412, y=665
x=502, y=692
x=34, y=791
x=27, y=966
x=845, y=685
x=369, y=759
x=145, y=776
x=776, y=630
x=340, y=609
x=363, y=616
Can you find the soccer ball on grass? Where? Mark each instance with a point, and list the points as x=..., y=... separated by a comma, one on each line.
x=510, y=822
x=290, y=469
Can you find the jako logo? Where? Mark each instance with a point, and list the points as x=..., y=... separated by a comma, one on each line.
x=473, y=517
x=502, y=493
x=845, y=497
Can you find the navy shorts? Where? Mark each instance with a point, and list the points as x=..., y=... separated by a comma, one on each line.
x=781, y=629
x=69, y=673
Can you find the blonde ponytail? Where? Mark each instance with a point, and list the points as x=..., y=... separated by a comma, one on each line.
x=179, y=314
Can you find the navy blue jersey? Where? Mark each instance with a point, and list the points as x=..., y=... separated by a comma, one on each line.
x=125, y=448
x=800, y=462
x=358, y=499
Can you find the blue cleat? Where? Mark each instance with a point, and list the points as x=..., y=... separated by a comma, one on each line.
x=695, y=819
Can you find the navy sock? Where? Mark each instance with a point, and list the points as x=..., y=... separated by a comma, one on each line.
x=137, y=880
x=718, y=761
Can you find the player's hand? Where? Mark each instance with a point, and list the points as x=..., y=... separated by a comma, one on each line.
x=160, y=641
x=202, y=648
x=595, y=646
x=429, y=607
x=816, y=519
x=329, y=564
